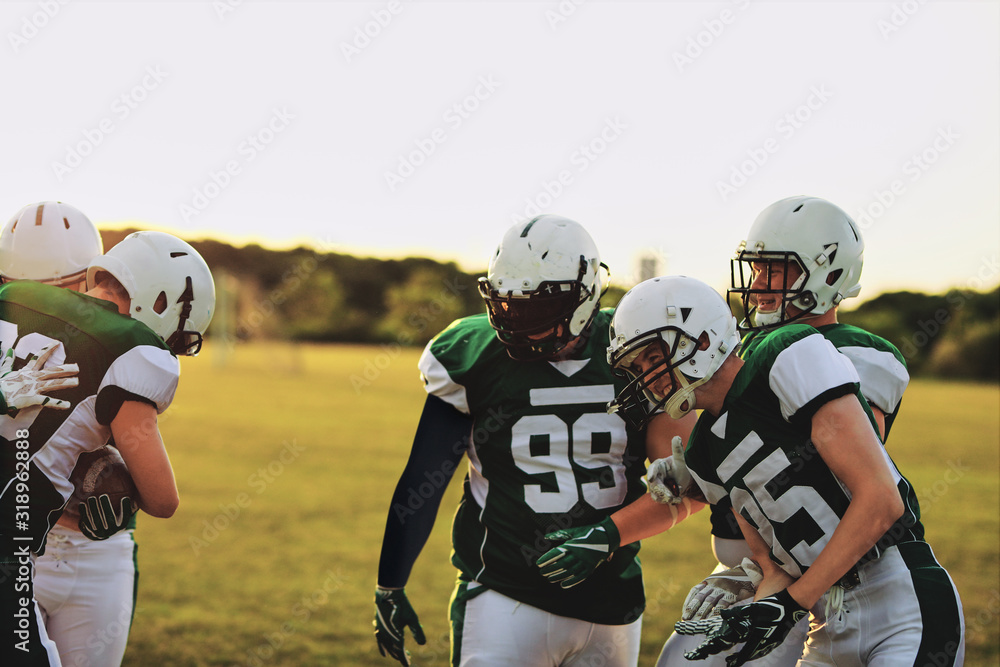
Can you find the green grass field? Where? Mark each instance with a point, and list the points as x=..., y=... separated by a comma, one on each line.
x=286, y=458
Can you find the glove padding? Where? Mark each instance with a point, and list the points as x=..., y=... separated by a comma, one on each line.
x=581, y=552
x=763, y=625
x=98, y=519
x=667, y=478
x=393, y=614
x=28, y=386
x=722, y=589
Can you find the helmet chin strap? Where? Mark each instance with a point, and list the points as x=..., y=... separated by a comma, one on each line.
x=683, y=400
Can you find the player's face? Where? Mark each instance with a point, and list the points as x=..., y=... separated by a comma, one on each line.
x=777, y=276
x=652, y=361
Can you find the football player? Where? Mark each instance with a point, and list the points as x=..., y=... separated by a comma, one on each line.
x=787, y=440
x=801, y=258
x=149, y=299
x=85, y=589
x=522, y=391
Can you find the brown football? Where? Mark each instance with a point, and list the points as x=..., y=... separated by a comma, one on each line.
x=98, y=472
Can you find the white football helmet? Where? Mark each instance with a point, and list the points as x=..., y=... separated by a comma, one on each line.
x=543, y=286
x=820, y=238
x=170, y=285
x=48, y=242
x=694, y=330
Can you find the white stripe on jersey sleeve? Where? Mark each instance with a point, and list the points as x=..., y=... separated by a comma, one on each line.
x=883, y=377
x=438, y=383
x=805, y=369
x=147, y=371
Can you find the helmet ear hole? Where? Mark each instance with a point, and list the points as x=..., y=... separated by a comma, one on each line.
x=160, y=304
x=833, y=276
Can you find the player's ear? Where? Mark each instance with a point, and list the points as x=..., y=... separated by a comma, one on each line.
x=703, y=341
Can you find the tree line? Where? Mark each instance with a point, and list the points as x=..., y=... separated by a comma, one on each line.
x=305, y=295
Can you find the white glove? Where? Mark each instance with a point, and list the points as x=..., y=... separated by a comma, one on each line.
x=27, y=387
x=669, y=477
x=722, y=589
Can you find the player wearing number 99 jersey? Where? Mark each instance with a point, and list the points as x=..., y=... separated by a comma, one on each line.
x=522, y=390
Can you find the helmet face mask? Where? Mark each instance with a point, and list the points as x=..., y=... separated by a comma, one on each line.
x=543, y=288
x=816, y=237
x=771, y=295
x=534, y=325
x=640, y=401
x=184, y=342
x=674, y=330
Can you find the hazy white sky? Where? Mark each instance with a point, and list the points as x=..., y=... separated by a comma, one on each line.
x=402, y=127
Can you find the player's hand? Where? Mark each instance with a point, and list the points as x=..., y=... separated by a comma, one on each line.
x=669, y=477
x=763, y=625
x=720, y=590
x=28, y=386
x=98, y=519
x=393, y=614
x=581, y=552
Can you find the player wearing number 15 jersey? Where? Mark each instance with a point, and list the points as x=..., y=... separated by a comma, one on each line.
x=788, y=441
x=522, y=391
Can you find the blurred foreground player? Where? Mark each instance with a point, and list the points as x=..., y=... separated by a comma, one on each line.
x=148, y=300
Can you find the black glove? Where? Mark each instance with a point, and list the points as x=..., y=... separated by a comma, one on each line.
x=98, y=519
x=763, y=625
x=393, y=614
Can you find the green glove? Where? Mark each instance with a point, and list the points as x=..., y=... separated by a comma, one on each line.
x=393, y=614
x=98, y=520
x=581, y=552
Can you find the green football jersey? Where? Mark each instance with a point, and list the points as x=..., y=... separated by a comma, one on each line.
x=882, y=372
x=880, y=366
x=119, y=358
x=757, y=455
x=544, y=454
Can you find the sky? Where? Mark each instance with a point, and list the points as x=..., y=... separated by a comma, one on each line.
x=404, y=128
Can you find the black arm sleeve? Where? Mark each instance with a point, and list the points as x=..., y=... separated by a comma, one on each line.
x=442, y=437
